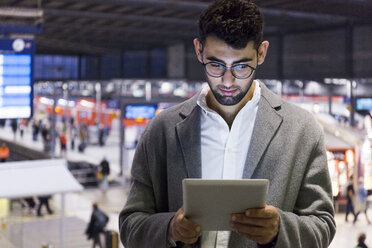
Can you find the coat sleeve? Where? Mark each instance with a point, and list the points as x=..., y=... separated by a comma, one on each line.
x=89, y=230
x=140, y=222
x=311, y=224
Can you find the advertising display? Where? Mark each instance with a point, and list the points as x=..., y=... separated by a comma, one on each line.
x=364, y=104
x=341, y=165
x=16, y=78
x=140, y=111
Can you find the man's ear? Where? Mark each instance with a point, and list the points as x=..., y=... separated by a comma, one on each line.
x=262, y=51
x=198, y=49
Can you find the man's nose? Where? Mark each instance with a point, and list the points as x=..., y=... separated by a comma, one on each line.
x=228, y=78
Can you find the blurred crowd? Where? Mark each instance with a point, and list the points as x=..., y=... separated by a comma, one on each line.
x=67, y=134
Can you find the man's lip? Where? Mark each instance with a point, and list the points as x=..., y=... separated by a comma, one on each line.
x=226, y=92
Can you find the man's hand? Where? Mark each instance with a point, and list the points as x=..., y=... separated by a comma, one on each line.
x=184, y=230
x=260, y=225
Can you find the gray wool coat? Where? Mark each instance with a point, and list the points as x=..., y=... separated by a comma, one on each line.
x=287, y=148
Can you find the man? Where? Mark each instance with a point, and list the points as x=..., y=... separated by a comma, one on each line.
x=350, y=199
x=361, y=241
x=235, y=128
x=105, y=170
x=44, y=200
x=96, y=226
x=362, y=199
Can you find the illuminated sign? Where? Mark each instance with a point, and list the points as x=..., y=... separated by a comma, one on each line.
x=140, y=111
x=364, y=104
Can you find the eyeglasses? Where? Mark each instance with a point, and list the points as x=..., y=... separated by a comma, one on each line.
x=239, y=71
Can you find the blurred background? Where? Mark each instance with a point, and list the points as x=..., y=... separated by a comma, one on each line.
x=80, y=79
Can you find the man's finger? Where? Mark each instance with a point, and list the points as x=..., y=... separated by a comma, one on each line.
x=186, y=236
x=243, y=219
x=265, y=213
x=187, y=233
x=187, y=224
x=249, y=229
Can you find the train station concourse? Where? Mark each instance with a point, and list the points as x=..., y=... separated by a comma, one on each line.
x=105, y=101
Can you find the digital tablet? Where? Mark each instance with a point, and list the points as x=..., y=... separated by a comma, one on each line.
x=210, y=203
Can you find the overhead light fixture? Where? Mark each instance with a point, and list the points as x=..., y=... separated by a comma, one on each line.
x=21, y=12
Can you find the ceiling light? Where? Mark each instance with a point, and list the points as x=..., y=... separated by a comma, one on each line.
x=21, y=12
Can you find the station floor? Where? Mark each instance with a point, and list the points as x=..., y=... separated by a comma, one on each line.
x=23, y=229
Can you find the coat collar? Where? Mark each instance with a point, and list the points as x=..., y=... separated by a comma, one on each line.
x=188, y=133
x=267, y=122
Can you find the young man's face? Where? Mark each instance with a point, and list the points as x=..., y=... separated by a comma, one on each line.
x=227, y=89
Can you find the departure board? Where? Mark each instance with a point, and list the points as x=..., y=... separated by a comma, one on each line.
x=16, y=78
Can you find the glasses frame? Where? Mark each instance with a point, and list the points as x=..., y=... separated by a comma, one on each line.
x=225, y=68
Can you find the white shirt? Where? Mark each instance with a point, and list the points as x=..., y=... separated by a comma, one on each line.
x=224, y=151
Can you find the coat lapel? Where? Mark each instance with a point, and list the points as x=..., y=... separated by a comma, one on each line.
x=188, y=132
x=267, y=122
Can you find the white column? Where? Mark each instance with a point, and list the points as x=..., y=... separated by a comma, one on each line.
x=63, y=224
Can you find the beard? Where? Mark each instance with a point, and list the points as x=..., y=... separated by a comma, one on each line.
x=230, y=100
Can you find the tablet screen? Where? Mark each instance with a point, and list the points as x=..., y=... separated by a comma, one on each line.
x=210, y=203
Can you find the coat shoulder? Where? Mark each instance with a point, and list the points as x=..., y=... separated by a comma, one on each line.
x=171, y=116
x=300, y=117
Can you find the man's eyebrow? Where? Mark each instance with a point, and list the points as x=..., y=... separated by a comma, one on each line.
x=235, y=62
x=243, y=60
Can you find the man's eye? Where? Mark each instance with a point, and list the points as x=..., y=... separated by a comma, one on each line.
x=217, y=65
x=240, y=67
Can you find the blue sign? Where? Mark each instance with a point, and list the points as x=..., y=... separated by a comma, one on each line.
x=140, y=111
x=364, y=104
x=113, y=104
x=16, y=79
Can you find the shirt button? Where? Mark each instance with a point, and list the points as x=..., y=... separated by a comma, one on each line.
x=229, y=150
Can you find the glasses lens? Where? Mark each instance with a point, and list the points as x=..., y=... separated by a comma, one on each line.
x=215, y=69
x=242, y=71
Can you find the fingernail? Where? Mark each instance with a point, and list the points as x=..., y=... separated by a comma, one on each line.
x=198, y=229
x=233, y=218
x=247, y=212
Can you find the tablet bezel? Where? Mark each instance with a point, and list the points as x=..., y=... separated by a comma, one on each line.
x=210, y=202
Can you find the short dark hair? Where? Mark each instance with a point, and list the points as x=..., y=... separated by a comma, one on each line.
x=236, y=22
x=361, y=237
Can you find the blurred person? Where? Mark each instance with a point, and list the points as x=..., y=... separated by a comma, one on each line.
x=233, y=128
x=63, y=144
x=73, y=134
x=96, y=226
x=107, y=130
x=350, y=199
x=44, y=201
x=22, y=127
x=14, y=126
x=361, y=241
x=362, y=195
x=35, y=129
x=83, y=135
x=30, y=203
x=64, y=125
x=104, y=168
x=2, y=123
x=101, y=135
x=45, y=134
x=4, y=152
